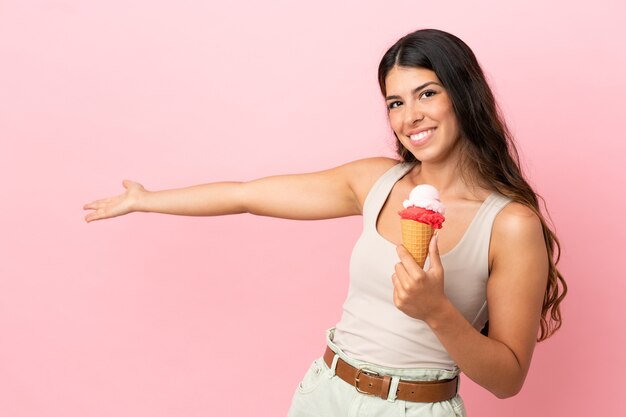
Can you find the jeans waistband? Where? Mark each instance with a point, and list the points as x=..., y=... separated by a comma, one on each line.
x=409, y=374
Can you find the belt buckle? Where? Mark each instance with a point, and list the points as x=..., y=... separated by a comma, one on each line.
x=365, y=371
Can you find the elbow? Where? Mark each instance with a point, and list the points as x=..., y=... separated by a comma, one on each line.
x=508, y=390
x=511, y=380
x=503, y=395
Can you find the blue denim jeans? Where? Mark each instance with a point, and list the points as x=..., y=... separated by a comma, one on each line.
x=322, y=394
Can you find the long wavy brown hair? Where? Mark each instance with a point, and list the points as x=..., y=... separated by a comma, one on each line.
x=489, y=148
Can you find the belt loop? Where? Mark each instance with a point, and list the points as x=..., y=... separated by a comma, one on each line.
x=393, y=388
x=333, y=366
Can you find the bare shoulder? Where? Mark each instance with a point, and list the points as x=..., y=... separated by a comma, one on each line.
x=516, y=218
x=370, y=169
x=517, y=233
x=363, y=173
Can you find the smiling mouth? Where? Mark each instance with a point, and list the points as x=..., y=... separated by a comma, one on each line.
x=421, y=136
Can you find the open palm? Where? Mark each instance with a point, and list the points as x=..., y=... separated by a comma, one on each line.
x=115, y=206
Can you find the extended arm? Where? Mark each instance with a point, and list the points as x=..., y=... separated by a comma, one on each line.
x=515, y=291
x=326, y=194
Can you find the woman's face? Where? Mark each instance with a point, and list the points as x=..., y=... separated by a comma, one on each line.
x=421, y=114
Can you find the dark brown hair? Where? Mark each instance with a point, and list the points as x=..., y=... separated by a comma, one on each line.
x=488, y=146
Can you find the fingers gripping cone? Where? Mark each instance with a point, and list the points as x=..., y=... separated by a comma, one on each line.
x=416, y=238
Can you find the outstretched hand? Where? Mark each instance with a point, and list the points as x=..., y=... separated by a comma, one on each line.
x=115, y=206
x=418, y=293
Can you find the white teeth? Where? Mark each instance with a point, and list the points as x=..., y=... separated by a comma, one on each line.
x=421, y=135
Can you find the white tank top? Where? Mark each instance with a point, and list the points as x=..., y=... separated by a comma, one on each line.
x=371, y=328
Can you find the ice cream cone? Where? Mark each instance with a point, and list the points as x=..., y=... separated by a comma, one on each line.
x=416, y=238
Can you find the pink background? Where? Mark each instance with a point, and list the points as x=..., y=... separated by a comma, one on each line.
x=150, y=315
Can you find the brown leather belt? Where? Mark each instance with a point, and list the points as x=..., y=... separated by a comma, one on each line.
x=368, y=382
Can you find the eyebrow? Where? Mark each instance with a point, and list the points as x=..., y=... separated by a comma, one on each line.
x=415, y=90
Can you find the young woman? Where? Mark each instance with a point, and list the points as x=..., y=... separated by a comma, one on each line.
x=490, y=288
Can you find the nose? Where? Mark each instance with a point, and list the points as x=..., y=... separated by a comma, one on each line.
x=413, y=115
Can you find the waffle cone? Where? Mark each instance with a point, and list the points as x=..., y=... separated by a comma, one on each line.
x=416, y=238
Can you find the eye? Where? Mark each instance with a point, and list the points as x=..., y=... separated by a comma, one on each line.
x=428, y=93
x=393, y=104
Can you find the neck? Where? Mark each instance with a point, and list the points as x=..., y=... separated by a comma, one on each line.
x=447, y=177
x=444, y=177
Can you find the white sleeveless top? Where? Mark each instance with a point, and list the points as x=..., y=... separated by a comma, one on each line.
x=371, y=328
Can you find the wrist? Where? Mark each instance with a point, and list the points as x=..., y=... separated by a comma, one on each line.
x=440, y=315
x=139, y=202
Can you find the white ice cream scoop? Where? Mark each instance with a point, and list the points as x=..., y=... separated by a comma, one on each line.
x=425, y=196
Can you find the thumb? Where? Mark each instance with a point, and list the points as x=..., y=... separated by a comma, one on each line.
x=128, y=184
x=433, y=252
